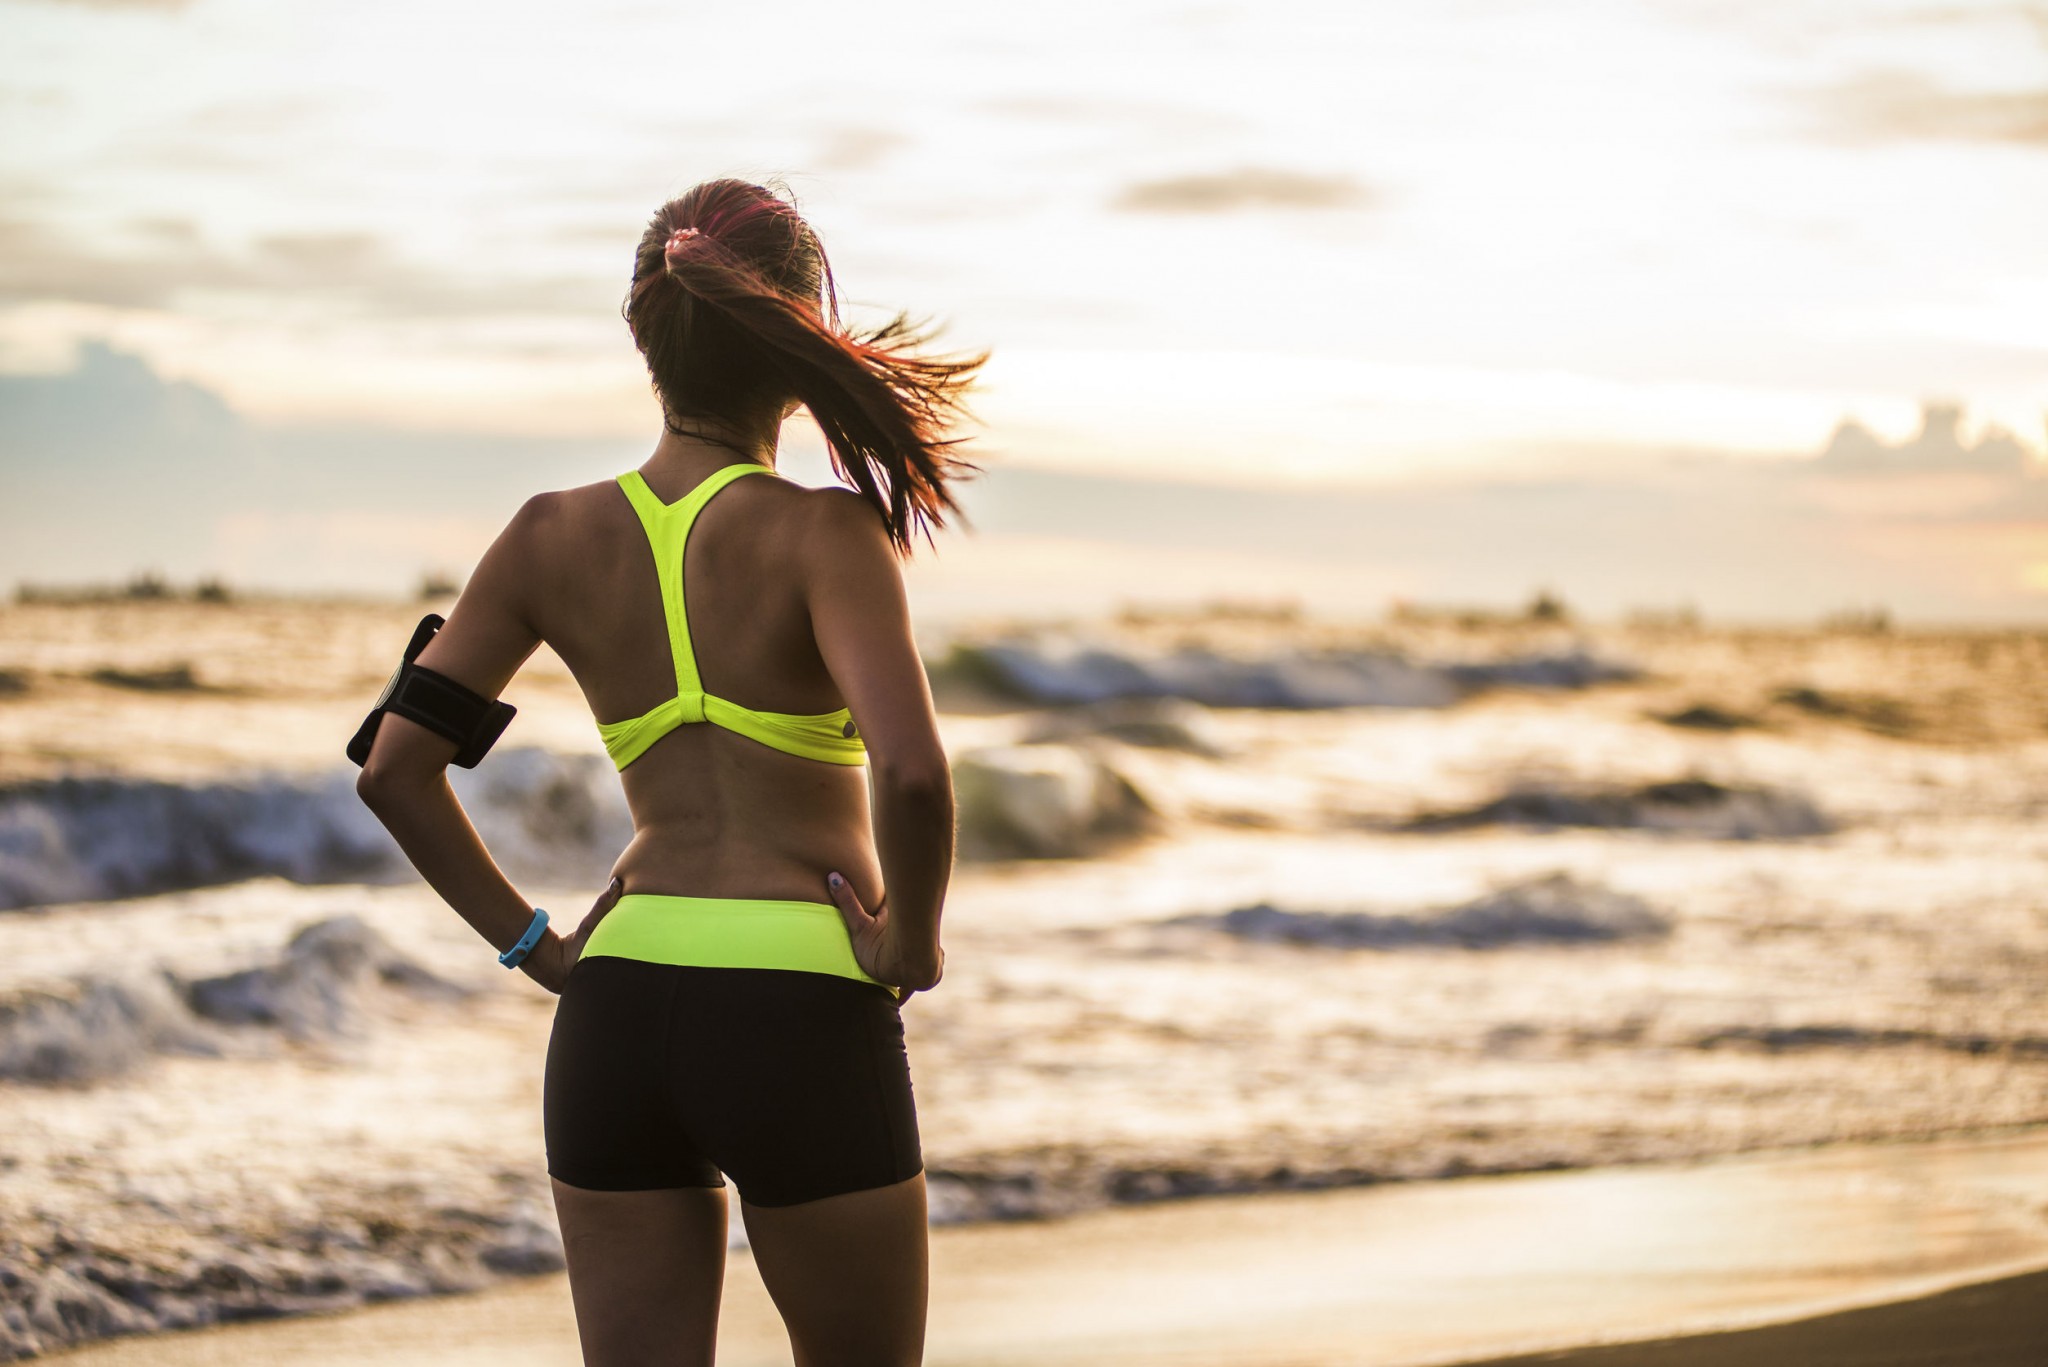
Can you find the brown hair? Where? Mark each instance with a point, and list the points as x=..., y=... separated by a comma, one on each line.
x=734, y=306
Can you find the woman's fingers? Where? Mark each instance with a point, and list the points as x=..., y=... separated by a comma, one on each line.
x=858, y=922
x=606, y=900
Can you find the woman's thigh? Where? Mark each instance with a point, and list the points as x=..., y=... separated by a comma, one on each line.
x=849, y=1274
x=645, y=1272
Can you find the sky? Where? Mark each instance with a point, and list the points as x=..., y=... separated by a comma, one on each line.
x=1736, y=306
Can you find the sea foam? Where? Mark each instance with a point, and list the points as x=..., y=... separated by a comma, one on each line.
x=544, y=815
x=101, y=1026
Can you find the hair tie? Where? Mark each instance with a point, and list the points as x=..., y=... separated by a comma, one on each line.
x=680, y=236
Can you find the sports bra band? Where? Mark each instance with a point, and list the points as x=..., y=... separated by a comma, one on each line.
x=827, y=736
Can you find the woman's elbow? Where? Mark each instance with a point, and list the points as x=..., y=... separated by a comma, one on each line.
x=924, y=776
x=373, y=786
x=385, y=788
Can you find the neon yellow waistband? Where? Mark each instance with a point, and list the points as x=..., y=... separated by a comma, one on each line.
x=727, y=932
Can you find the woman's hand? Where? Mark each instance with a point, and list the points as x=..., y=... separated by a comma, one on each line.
x=913, y=968
x=554, y=956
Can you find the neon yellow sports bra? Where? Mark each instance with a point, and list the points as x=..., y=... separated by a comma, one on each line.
x=828, y=736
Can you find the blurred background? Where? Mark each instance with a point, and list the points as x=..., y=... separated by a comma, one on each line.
x=1501, y=627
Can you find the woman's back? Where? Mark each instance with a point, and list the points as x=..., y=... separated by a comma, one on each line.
x=716, y=813
x=730, y=1007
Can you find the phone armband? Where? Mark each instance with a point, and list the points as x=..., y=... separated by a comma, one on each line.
x=435, y=701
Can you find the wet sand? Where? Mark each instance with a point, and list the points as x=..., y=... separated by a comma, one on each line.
x=1399, y=1275
x=1996, y=1324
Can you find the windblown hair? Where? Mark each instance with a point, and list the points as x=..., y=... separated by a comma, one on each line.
x=734, y=306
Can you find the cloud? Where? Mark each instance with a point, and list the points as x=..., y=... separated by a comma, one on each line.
x=1919, y=524
x=1247, y=187
x=108, y=411
x=1938, y=447
x=1094, y=114
x=2027, y=12
x=1898, y=104
x=169, y=6
x=109, y=468
x=856, y=149
x=254, y=117
x=350, y=272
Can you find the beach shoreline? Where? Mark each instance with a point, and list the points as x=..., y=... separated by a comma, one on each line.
x=1695, y=1259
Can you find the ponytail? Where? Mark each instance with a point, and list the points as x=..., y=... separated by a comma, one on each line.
x=734, y=306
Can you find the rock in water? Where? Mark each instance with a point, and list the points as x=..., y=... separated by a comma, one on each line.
x=1156, y=723
x=1042, y=802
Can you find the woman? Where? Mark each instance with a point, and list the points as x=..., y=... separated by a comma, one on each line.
x=731, y=1003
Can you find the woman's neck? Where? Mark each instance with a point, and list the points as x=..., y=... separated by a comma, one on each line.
x=690, y=439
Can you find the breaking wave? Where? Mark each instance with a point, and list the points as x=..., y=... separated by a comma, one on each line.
x=1687, y=806
x=545, y=815
x=61, y=1288
x=1784, y=1038
x=1058, y=671
x=314, y=989
x=548, y=817
x=1556, y=909
x=96, y=1028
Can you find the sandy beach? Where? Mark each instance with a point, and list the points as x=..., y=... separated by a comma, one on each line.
x=1851, y=1255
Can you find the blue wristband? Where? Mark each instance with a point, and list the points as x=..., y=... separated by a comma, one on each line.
x=512, y=957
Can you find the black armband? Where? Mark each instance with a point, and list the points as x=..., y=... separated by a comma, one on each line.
x=436, y=702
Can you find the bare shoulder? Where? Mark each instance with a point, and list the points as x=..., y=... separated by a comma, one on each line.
x=569, y=502
x=842, y=518
x=850, y=569
x=557, y=513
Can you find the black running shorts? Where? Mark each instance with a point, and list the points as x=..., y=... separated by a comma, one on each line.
x=796, y=1084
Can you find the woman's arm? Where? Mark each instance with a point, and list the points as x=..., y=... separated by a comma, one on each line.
x=488, y=636
x=861, y=620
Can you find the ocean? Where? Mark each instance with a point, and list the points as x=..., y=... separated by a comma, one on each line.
x=1247, y=901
